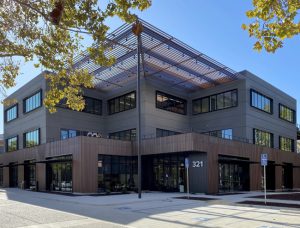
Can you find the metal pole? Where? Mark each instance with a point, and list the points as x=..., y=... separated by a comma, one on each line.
x=265, y=185
x=137, y=29
x=187, y=182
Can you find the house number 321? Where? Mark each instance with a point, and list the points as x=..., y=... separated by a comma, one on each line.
x=197, y=164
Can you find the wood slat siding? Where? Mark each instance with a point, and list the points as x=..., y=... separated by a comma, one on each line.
x=214, y=146
x=85, y=152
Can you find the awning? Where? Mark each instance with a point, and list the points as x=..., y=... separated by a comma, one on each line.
x=164, y=58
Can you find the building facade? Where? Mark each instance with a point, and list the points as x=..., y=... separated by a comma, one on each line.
x=191, y=107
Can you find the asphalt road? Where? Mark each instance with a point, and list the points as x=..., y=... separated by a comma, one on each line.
x=31, y=209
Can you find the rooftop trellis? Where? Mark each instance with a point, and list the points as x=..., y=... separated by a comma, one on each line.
x=164, y=58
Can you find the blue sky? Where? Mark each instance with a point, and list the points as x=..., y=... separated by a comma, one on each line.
x=214, y=28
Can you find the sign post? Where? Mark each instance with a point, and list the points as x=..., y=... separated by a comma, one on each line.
x=187, y=164
x=264, y=163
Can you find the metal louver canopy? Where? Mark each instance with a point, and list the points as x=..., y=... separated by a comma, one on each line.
x=164, y=58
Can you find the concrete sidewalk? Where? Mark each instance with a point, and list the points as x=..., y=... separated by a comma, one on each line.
x=33, y=209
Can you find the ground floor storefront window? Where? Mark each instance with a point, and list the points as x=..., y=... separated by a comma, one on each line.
x=30, y=175
x=117, y=173
x=233, y=175
x=13, y=175
x=59, y=174
x=287, y=176
x=164, y=172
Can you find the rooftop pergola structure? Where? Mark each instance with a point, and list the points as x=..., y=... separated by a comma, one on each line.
x=163, y=57
x=154, y=54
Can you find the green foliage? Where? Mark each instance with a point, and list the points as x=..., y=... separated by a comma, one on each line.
x=274, y=21
x=53, y=32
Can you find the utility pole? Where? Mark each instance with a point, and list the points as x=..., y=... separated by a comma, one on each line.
x=137, y=29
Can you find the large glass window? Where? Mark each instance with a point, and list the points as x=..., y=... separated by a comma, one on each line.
x=11, y=113
x=93, y=106
x=117, y=173
x=215, y=102
x=129, y=135
x=225, y=133
x=32, y=102
x=286, y=144
x=287, y=114
x=122, y=103
x=261, y=101
x=170, y=103
x=163, y=132
x=12, y=144
x=59, y=174
x=263, y=138
x=32, y=138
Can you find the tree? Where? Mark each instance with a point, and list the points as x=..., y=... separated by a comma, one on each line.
x=51, y=33
x=274, y=21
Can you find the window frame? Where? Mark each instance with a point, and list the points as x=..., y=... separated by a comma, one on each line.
x=184, y=101
x=215, y=95
x=11, y=107
x=262, y=95
x=39, y=137
x=263, y=131
x=117, y=104
x=6, y=143
x=292, y=144
x=293, y=111
x=33, y=94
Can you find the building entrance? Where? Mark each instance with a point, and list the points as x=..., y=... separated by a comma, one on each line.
x=59, y=174
x=270, y=175
x=164, y=172
x=30, y=175
x=287, y=176
x=233, y=174
x=13, y=175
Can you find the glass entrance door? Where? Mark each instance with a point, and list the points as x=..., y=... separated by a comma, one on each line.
x=168, y=172
x=29, y=175
x=13, y=175
x=233, y=177
x=59, y=176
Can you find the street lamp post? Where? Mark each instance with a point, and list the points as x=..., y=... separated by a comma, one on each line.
x=137, y=29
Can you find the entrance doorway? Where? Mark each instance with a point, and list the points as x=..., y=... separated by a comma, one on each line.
x=287, y=176
x=270, y=175
x=164, y=172
x=59, y=174
x=233, y=174
x=13, y=175
x=30, y=175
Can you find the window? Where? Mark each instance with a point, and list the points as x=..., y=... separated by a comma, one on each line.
x=12, y=144
x=286, y=144
x=32, y=138
x=129, y=135
x=261, y=101
x=263, y=138
x=287, y=114
x=93, y=106
x=11, y=113
x=32, y=102
x=116, y=173
x=170, y=103
x=70, y=133
x=225, y=134
x=122, y=103
x=215, y=102
x=163, y=132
